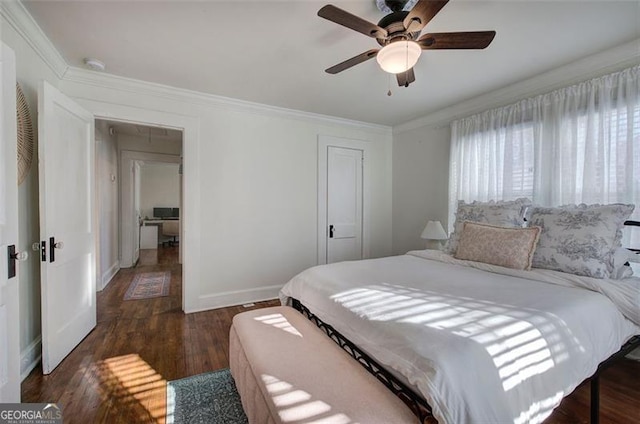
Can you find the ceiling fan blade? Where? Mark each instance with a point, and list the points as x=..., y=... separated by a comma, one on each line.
x=456, y=40
x=344, y=18
x=352, y=62
x=422, y=13
x=406, y=78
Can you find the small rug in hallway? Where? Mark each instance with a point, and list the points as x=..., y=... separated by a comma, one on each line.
x=149, y=284
x=210, y=398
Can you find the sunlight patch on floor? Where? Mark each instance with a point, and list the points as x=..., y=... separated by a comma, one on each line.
x=130, y=381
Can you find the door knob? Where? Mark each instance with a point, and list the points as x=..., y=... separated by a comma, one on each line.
x=20, y=256
x=58, y=245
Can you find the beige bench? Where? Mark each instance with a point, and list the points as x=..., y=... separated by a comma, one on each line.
x=288, y=371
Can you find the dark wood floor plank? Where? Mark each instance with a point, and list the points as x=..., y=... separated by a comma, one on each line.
x=118, y=374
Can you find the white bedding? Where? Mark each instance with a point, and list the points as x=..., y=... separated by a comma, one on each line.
x=489, y=345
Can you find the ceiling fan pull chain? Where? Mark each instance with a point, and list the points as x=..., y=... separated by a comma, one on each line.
x=389, y=93
x=406, y=62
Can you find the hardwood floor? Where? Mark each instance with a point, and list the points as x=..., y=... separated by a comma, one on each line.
x=118, y=374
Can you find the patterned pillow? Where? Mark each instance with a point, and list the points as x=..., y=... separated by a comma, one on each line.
x=502, y=213
x=503, y=246
x=579, y=239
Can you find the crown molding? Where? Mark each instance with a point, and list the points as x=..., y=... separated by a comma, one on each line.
x=165, y=92
x=19, y=18
x=16, y=15
x=604, y=62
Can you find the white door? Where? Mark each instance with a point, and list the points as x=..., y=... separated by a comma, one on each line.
x=67, y=224
x=344, y=204
x=9, y=314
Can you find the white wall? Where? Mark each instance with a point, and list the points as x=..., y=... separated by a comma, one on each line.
x=107, y=181
x=253, y=183
x=420, y=184
x=30, y=69
x=159, y=187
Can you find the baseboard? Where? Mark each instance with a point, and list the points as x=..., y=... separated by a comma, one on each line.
x=239, y=297
x=109, y=274
x=30, y=358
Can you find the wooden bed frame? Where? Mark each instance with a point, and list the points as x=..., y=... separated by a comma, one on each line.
x=416, y=402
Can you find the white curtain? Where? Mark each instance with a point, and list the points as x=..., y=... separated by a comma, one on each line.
x=579, y=144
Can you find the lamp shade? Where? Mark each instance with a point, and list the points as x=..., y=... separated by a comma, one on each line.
x=398, y=56
x=434, y=231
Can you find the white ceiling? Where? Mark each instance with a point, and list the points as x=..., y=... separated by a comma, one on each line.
x=275, y=52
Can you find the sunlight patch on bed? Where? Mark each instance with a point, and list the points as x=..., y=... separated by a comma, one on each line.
x=279, y=321
x=290, y=398
x=519, y=342
x=539, y=410
x=296, y=405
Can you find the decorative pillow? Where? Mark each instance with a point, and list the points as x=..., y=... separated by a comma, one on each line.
x=502, y=213
x=503, y=246
x=579, y=239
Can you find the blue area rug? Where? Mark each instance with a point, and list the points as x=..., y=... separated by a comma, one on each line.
x=210, y=398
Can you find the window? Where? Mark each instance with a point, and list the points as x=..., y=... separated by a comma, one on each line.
x=580, y=144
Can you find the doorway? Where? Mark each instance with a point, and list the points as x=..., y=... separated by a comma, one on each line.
x=139, y=171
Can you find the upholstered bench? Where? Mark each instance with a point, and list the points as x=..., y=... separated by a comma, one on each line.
x=288, y=371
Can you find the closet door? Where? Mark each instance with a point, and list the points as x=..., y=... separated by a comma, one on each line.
x=344, y=204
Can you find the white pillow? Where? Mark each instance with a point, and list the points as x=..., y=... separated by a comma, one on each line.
x=501, y=214
x=579, y=239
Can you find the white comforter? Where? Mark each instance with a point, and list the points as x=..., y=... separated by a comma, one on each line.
x=483, y=344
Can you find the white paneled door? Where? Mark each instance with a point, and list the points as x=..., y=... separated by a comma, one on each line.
x=9, y=312
x=67, y=224
x=344, y=204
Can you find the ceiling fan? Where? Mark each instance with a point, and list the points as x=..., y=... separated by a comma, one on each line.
x=399, y=35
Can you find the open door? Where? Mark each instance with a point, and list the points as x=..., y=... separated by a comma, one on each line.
x=9, y=313
x=67, y=224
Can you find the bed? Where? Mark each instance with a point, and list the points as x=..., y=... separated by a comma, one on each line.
x=477, y=342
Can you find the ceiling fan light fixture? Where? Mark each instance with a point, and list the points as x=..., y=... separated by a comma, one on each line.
x=399, y=56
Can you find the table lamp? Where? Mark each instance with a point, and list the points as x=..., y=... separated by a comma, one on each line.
x=433, y=233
